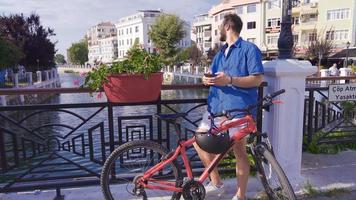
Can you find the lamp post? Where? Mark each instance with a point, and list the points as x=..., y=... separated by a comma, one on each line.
x=285, y=40
x=38, y=65
x=347, y=54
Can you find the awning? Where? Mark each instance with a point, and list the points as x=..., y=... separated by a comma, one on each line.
x=342, y=54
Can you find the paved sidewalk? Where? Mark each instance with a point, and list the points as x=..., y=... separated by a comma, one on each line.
x=321, y=172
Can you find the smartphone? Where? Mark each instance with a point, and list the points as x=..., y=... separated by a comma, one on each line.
x=209, y=75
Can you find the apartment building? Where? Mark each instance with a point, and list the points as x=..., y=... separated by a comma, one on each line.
x=250, y=13
x=202, y=32
x=332, y=20
x=102, y=43
x=136, y=27
x=337, y=21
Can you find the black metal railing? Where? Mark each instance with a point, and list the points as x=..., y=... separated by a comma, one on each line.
x=323, y=117
x=65, y=145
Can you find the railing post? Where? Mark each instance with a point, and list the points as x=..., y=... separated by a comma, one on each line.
x=29, y=78
x=3, y=100
x=2, y=153
x=39, y=76
x=111, y=126
x=316, y=117
x=197, y=70
x=46, y=75
x=310, y=115
x=16, y=80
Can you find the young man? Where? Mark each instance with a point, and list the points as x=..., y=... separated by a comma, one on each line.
x=238, y=68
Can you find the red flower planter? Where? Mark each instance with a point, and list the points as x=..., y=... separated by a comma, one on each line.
x=133, y=88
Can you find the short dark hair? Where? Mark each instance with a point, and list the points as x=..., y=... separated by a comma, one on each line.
x=234, y=21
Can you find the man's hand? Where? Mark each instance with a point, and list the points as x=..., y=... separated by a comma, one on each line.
x=220, y=80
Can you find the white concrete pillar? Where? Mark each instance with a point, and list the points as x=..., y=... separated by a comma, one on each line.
x=324, y=73
x=284, y=122
x=3, y=100
x=197, y=70
x=16, y=80
x=345, y=72
x=181, y=69
x=22, y=98
x=174, y=69
x=29, y=78
x=168, y=68
x=46, y=75
x=39, y=76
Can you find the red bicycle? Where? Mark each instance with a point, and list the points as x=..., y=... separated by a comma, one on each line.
x=144, y=167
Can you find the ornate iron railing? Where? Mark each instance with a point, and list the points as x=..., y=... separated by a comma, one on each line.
x=65, y=145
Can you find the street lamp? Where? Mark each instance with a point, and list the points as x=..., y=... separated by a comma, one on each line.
x=347, y=54
x=285, y=40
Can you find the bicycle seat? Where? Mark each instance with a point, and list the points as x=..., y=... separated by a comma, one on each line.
x=173, y=116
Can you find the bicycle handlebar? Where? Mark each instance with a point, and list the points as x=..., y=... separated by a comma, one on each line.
x=267, y=98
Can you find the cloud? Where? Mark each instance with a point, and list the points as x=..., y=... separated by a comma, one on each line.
x=70, y=19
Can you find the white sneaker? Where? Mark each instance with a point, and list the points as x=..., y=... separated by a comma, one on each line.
x=212, y=190
x=236, y=198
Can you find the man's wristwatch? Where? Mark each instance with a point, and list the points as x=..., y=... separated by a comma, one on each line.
x=230, y=84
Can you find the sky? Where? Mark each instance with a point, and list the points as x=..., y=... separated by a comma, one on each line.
x=70, y=19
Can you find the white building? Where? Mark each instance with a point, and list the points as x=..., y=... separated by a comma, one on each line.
x=136, y=27
x=100, y=43
x=108, y=48
x=202, y=32
x=250, y=13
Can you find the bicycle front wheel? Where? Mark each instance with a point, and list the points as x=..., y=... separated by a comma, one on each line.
x=273, y=178
x=128, y=163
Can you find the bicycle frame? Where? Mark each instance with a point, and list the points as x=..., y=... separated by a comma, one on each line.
x=250, y=127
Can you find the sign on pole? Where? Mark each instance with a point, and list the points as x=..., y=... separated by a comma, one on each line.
x=344, y=92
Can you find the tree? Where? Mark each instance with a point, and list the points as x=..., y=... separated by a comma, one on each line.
x=31, y=38
x=320, y=47
x=195, y=55
x=78, y=52
x=10, y=54
x=60, y=59
x=166, y=32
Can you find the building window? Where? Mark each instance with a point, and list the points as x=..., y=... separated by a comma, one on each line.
x=222, y=15
x=312, y=37
x=337, y=35
x=253, y=40
x=251, y=25
x=272, y=4
x=127, y=31
x=148, y=40
x=272, y=40
x=338, y=14
x=217, y=18
x=274, y=22
x=216, y=32
x=296, y=39
x=136, y=29
x=251, y=8
x=130, y=30
x=239, y=10
x=295, y=20
x=137, y=40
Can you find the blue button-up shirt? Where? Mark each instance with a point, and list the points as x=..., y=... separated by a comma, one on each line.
x=243, y=59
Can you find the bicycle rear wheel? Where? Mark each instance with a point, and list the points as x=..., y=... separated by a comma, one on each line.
x=273, y=178
x=128, y=162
